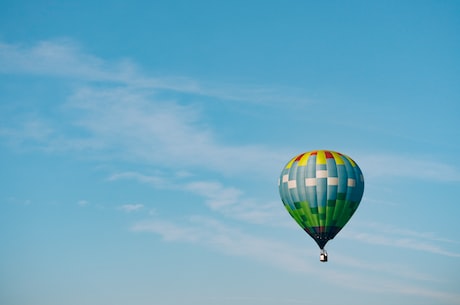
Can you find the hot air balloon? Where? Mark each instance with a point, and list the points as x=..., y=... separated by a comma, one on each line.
x=321, y=190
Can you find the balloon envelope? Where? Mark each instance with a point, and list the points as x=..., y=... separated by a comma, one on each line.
x=321, y=190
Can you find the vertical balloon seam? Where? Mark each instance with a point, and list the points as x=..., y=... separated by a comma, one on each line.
x=284, y=187
x=294, y=193
x=312, y=195
x=311, y=205
x=321, y=190
x=341, y=194
x=303, y=205
x=310, y=172
x=348, y=208
x=286, y=197
x=300, y=173
x=331, y=196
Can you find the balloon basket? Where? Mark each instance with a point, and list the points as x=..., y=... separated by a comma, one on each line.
x=323, y=256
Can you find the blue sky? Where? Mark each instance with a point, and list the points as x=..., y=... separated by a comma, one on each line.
x=141, y=144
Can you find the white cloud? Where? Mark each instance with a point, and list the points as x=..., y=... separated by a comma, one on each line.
x=83, y=203
x=233, y=241
x=226, y=200
x=62, y=58
x=217, y=196
x=408, y=243
x=149, y=130
x=124, y=118
x=155, y=181
x=131, y=207
x=18, y=201
x=384, y=235
x=233, y=202
x=409, y=166
x=65, y=58
x=168, y=230
x=431, y=236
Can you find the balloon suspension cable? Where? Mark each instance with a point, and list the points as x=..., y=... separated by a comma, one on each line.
x=323, y=256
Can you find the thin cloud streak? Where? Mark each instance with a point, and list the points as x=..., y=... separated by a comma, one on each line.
x=161, y=132
x=156, y=181
x=225, y=200
x=407, y=233
x=126, y=116
x=232, y=202
x=384, y=235
x=128, y=208
x=231, y=241
x=414, y=167
x=403, y=243
x=65, y=58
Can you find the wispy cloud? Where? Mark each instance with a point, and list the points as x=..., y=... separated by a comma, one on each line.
x=63, y=58
x=225, y=200
x=233, y=241
x=124, y=118
x=155, y=181
x=384, y=235
x=18, y=201
x=66, y=58
x=431, y=236
x=83, y=203
x=128, y=208
x=147, y=129
x=408, y=243
x=233, y=202
x=118, y=110
x=408, y=166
